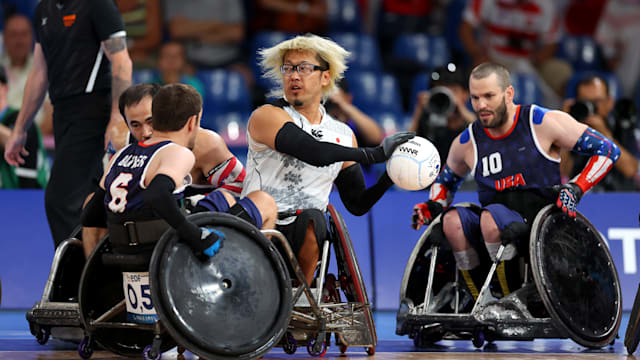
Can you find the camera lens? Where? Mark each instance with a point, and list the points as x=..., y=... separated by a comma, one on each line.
x=441, y=101
x=581, y=109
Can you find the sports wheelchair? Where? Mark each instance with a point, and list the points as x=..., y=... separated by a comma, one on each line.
x=235, y=305
x=318, y=312
x=239, y=304
x=570, y=289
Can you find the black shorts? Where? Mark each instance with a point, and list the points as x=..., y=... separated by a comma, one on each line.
x=296, y=231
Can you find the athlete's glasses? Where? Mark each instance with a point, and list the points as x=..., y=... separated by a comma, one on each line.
x=302, y=69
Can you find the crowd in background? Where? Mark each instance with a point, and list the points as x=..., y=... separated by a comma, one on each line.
x=408, y=68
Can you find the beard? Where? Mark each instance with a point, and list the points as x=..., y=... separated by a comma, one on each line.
x=499, y=116
x=297, y=103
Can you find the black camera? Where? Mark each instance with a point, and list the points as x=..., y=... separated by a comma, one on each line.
x=582, y=109
x=441, y=101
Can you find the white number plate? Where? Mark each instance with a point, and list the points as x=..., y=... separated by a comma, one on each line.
x=138, y=297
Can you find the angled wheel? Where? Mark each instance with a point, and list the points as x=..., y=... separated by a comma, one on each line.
x=632, y=336
x=576, y=277
x=101, y=290
x=349, y=275
x=234, y=305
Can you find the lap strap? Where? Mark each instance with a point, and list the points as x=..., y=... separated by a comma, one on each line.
x=133, y=233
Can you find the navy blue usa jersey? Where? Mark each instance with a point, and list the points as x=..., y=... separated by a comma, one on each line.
x=124, y=182
x=515, y=160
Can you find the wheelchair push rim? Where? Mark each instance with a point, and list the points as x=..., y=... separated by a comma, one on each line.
x=576, y=277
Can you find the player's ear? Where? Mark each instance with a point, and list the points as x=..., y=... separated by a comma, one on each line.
x=192, y=123
x=509, y=93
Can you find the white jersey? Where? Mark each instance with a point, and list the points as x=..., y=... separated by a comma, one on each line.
x=293, y=183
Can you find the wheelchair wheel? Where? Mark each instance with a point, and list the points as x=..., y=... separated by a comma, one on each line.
x=100, y=290
x=576, y=277
x=349, y=274
x=234, y=305
x=632, y=336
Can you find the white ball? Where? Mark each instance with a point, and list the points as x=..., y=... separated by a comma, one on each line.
x=415, y=164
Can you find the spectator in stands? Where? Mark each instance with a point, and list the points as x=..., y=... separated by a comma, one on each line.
x=524, y=45
x=143, y=24
x=409, y=16
x=212, y=33
x=595, y=107
x=17, y=60
x=617, y=34
x=174, y=68
x=441, y=113
x=291, y=16
x=34, y=173
x=340, y=107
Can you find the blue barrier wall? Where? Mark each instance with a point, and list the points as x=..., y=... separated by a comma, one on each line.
x=26, y=247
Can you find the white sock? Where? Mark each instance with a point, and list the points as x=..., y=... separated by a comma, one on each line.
x=466, y=259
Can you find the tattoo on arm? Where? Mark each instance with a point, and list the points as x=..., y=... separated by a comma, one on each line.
x=118, y=86
x=114, y=45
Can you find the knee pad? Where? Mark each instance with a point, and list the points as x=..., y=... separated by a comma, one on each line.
x=246, y=210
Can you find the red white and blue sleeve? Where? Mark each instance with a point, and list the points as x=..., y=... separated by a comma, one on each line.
x=228, y=175
x=604, y=153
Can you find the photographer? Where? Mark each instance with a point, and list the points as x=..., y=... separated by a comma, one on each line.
x=617, y=121
x=441, y=114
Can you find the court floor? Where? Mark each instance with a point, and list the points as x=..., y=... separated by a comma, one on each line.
x=16, y=342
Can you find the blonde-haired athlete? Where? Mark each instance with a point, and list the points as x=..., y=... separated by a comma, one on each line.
x=297, y=151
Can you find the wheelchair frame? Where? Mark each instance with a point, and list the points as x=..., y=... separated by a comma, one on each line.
x=350, y=321
x=488, y=320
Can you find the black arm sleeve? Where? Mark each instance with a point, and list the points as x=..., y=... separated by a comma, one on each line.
x=158, y=196
x=293, y=141
x=351, y=186
x=94, y=214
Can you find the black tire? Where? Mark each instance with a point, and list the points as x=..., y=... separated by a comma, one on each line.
x=632, y=336
x=247, y=258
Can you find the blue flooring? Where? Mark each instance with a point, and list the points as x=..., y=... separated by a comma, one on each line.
x=15, y=336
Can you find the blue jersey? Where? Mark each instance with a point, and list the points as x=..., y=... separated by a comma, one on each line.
x=514, y=161
x=124, y=182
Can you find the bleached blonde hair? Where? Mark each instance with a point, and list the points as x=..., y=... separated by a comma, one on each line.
x=271, y=59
